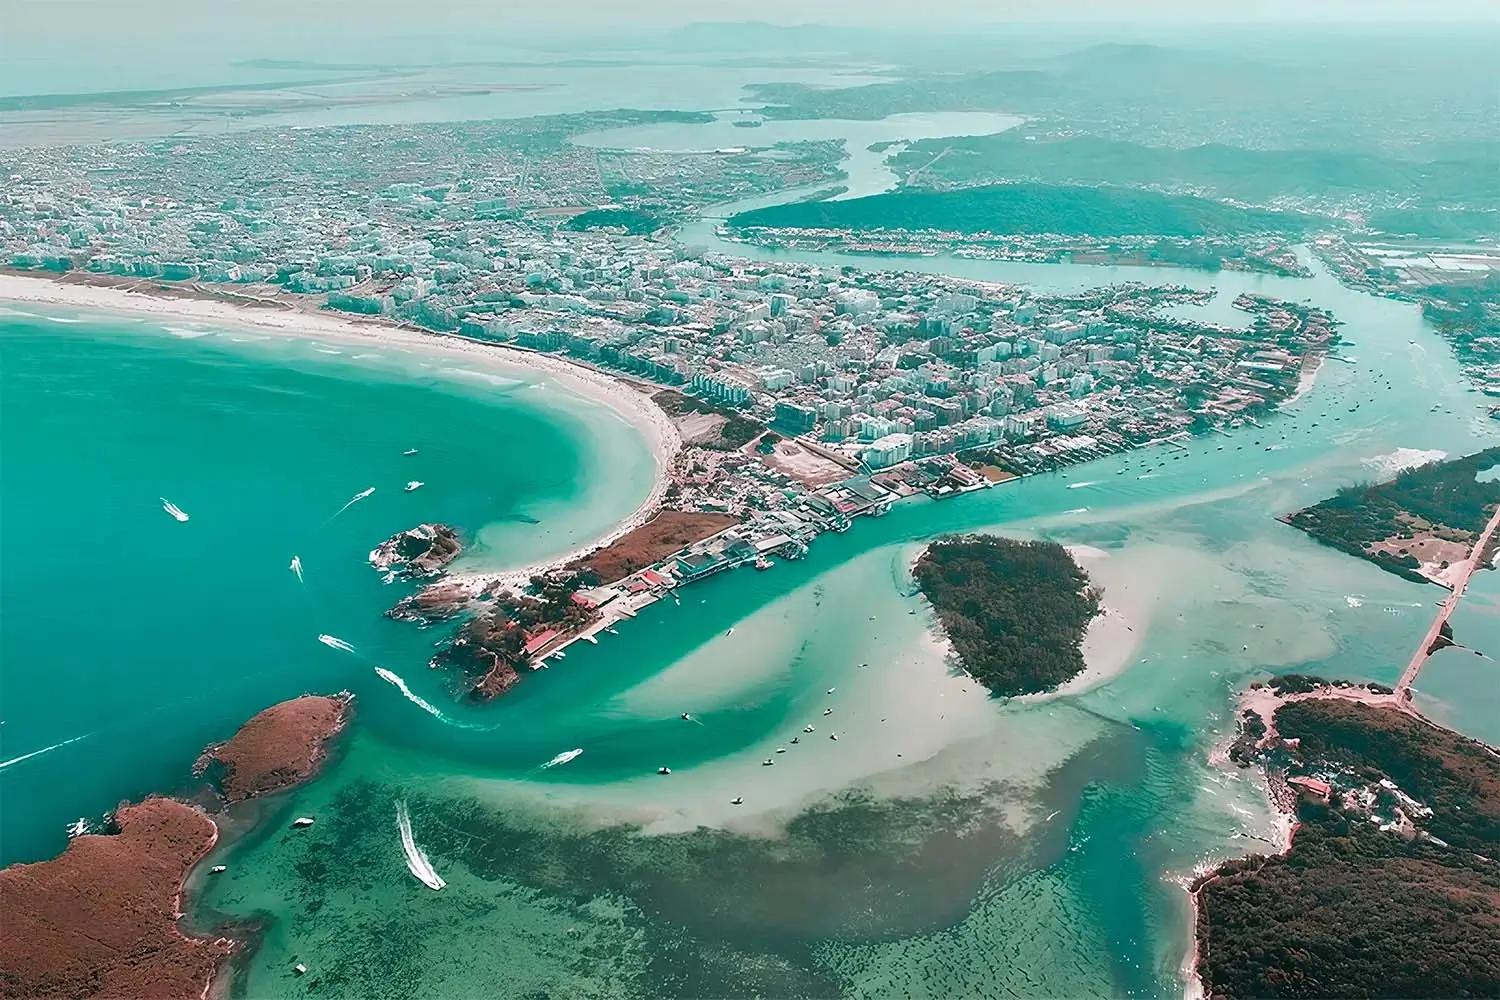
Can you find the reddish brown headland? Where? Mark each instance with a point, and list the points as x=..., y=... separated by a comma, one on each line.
x=100, y=919
x=280, y=747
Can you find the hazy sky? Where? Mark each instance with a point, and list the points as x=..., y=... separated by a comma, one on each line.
x=24, y=20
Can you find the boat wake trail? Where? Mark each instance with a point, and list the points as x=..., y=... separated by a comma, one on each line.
x=362, y=494
x=416, y=859
x=173, y=509
x=563, y=758
x=1079, y=486
x=395, y=679
x=334, y=642
x=296, y=567
x=37, y=753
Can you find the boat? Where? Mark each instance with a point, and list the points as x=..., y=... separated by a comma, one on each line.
x=171, y=508
x=334, y=642
x=564, y=757
x=729, y=631
x=300, y=969
x=831, y=690
x=409, y=451
x=296, y=566
x=761, y=562
x=415, y=484
x=686, y=717
x=767, y=762
x=738, y=800
x=796, y=739
x=417, y=861
x=833, y=736
x=301, y=822
x=827, y=711
x=560, y=655
x=663, y=770
x=78, y=827
x=590, y=638
x=218, y=869
x=807, y=729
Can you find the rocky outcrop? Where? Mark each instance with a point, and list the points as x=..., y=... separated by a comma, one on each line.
x=417, y=552
x=101, y=918
x=434, y=602
x=282, y=746
x=488, y=651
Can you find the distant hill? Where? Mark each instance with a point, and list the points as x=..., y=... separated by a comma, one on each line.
x=1230, y=171
x=1029, y=208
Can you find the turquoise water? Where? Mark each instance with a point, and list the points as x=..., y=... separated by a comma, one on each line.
x=149, y=638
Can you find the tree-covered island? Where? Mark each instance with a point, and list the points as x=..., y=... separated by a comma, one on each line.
x=1015, y=611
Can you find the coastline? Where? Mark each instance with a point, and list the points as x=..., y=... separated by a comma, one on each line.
x=311, y=322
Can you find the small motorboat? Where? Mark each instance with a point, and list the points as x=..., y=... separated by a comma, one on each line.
x=686, y=717
x=415, y=484
x=663, y=770
x=738, y=800
x=833, y=736
x=781, y=749
x=807, y=729
x=729, y=631
x=796, y=739
x=300, y=969
x=409, y=452
x=218, y=869
x=171, y=508
x=301, y=822
x=828, y=711
x=767, y=762
x=831, y=690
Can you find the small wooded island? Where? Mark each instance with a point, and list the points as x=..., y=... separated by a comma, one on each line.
x=1015, y=611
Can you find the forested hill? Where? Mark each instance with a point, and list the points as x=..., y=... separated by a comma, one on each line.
x=1016, y=612
x=1254, y=175
x=1029, y=208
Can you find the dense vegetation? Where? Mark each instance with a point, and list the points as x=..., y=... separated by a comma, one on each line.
x=1028, y=208
x=1016, y=612
x=1443, y=498
x=1353, y=910
x=632, y=220
x=1254, y=175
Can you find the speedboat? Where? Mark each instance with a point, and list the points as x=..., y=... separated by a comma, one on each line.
x=737, y=800
x=409, y=451
x=415, y=484
x=729, y=631
x=173, y=509
x=218, y=869
x=767, y=762
x=663, y=770
x=807, y=729
x=302, y=821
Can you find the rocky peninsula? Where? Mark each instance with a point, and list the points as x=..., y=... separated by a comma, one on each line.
x=101, y=919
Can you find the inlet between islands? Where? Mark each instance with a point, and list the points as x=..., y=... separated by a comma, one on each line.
x=313, y=323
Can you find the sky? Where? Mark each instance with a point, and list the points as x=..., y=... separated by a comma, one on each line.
x=53, y=46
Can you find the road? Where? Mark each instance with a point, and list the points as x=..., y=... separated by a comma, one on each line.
x=1460, y=584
